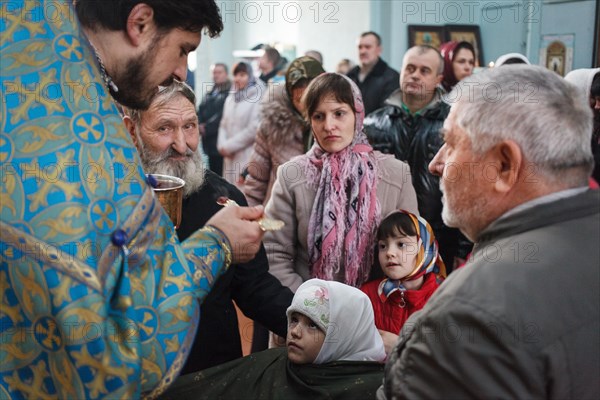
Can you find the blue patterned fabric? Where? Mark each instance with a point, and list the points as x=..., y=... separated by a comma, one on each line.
x=97, y=296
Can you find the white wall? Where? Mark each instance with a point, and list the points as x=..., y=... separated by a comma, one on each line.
x=330, y=27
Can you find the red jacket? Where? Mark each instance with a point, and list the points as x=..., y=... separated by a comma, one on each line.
x=390, y=316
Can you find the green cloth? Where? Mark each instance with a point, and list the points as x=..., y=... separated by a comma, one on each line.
x=269, y=375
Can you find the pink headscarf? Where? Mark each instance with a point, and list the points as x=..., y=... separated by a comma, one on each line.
x=345, y=214
x=448, y=51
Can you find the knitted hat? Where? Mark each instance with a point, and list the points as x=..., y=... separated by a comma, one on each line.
x=312, y=301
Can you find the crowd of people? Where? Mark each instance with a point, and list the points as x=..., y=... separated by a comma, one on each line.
x=433, y=244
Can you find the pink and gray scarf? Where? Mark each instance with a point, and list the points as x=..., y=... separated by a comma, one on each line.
x=345, y=214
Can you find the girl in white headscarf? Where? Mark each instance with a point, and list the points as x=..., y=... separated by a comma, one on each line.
x=333, y=351
x=344, y=316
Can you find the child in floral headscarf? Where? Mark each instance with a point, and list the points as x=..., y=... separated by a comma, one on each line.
x=408, y=256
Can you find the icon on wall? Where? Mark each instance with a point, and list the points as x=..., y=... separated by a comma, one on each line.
x=556, y=53
x=435, y=35
x=430, y=35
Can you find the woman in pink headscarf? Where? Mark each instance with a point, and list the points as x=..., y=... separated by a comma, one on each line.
x=332, y=198
x=459, y=62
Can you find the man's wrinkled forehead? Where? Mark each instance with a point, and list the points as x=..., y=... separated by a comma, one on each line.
x=420, y=58
x=177, y=103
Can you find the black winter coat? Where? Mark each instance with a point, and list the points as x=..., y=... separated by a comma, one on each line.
x=415, y=139
x=377, y=86
x=257, y=293
x=210, y=112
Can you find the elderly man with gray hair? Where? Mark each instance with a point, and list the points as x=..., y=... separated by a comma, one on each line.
x=521, y=318
x=168, y=141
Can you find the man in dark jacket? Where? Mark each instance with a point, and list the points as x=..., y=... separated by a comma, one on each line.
x=521, y=319
x=209, y=116
x=375, y=79
x=166, y=136
x=408, y=127
x=269, y=64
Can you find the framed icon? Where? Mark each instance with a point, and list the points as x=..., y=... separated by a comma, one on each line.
x=430, y=35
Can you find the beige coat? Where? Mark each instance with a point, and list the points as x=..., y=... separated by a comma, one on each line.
x=238, y=131
x=278, y=140
x=292, y=201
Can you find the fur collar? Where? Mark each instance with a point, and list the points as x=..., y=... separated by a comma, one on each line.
x=280, y=121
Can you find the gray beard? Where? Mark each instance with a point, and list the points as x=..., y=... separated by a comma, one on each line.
x=191, y=170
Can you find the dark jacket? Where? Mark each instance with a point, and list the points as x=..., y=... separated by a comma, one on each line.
x=271, y=375
x=519, y=321
x=210, y=112
x=415, y=139
x=257, y=293
x=377, y=86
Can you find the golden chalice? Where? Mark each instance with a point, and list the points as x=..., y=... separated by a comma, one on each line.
x=169, y=192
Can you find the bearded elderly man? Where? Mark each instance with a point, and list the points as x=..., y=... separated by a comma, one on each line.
x=521, y=319
x=99, y=299
x=167, y=139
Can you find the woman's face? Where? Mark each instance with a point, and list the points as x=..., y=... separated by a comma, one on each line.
x=463, y=64
x=241, y=80
x=333, y=124
x=297, y=93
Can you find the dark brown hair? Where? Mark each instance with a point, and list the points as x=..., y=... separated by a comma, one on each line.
x=272, y=55
x=395, y=224
x=324, y=85
x=188, y=15
x=377, y=37
x=240, y=68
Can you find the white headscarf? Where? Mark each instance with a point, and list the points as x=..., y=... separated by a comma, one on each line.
x=505, y=57
x=346, y=315
x=583, y=78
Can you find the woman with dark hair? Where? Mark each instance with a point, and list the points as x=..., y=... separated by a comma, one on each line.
x=459, y=61
x=241, y=115
x=588, y=81
x=332, y=197
x=283, y=133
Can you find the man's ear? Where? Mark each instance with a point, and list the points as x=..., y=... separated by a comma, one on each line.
x=509, y=159
x=439, y=78
x=130, y=125
x=140, y=24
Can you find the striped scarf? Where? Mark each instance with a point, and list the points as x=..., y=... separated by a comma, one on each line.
x=428, y=259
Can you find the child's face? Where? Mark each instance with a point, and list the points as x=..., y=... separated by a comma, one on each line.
x=304, y=339
x=397, y=255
